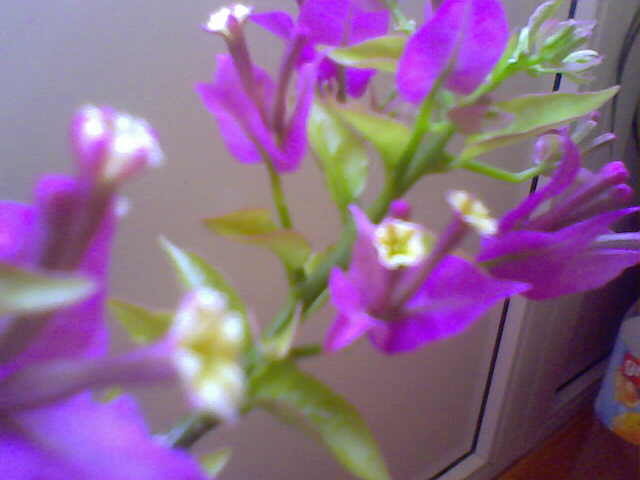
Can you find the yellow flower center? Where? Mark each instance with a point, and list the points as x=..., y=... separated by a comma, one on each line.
x=400, y=243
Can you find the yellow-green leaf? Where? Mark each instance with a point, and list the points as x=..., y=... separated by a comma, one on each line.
x=380, y=53
x=535, y=114
x=299, y=399
x=387, y=135
x=143, y=325
x=290, y=246
x=194, y=272
x=256, y=221
x=341, y=153
x=23, y=291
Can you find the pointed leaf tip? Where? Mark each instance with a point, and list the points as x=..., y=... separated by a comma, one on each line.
x=194, y=272
x=144, y=326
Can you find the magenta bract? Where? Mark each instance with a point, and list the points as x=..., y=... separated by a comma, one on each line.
x=461, y=43
x=370, y=296
x=570, y=247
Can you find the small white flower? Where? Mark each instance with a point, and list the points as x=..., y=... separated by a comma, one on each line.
x=209, y=342
x=473, y=212
x=400, y=243
x=219, y=21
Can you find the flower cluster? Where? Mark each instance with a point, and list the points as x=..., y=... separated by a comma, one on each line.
x=51, y=425
x=389, y=278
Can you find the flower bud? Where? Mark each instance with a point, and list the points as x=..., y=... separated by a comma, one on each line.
x=209, y=341
x=400, y=209
x=548, y=45
x=540, y=16
x=581, y=61
x=546, y=151
x=112, y=146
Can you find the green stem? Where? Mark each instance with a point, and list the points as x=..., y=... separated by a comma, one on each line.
x=278, y=196
x=500, y=174
x=280, y=202
x=313, y=287
x=494, y=81
x=400, y=22
x=317, y=282
x=433, y=159
x=306, y=350
x=420, y=129
x=283, y=317
x=185, y=434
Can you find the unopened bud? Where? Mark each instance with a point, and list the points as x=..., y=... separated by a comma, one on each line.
x=400, y=209
x=581, y=61
x=541, y=14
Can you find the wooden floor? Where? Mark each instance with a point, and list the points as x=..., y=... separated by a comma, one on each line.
x=583, y=450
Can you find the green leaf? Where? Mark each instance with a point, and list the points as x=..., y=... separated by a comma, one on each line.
x=342, y=155
x=143, y=325
x=298, y=398
x=381, y=53
x=214, y=463
x=388, y=136
x=257, y=227
x=256, y=221
x=534, y=115
x=23, y=291
x=292, y=248
x=194, y=272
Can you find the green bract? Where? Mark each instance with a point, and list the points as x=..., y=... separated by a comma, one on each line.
x=341, y=154
x=23, y=291
x=390, y=137
x=381, y=53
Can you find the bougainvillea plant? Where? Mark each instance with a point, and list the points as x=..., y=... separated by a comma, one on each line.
x=398, y=283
